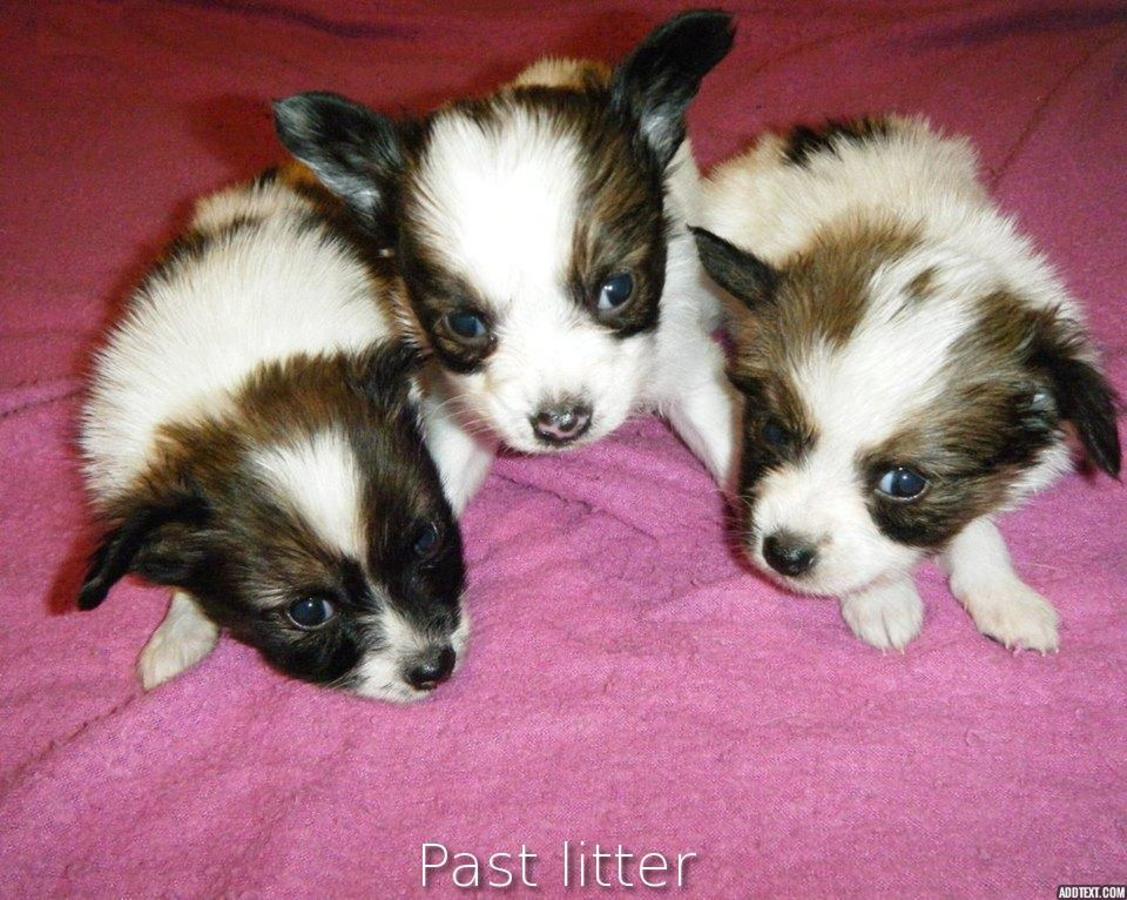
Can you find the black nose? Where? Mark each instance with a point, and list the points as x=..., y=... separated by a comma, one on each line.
x=788, y=553
x=431, y=669
x=563, y=423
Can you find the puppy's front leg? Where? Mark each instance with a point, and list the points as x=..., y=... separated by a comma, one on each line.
x=887, y=616
x=184, y=638
x=705, y=413
x=463, y=459
x=1001, y=604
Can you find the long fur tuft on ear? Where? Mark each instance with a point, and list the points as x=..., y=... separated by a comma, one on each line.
x=355, y=152
x=120, y=549
x=656, y=83
x=742, y=274
x=1083, y=395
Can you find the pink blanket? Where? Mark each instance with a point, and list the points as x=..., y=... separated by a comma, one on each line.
x=629, y=682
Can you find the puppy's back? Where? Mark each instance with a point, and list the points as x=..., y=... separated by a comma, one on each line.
x=778, y=194
x=262, y=274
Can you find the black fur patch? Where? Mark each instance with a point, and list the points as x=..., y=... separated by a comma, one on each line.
x=743, y=275
x=655, y=84
x=803, y=143
x=191, y=247
x=356, y=152
x=778, y=431
x=1083, y=394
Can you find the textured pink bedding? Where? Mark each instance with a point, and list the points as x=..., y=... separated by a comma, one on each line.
x=629, y=682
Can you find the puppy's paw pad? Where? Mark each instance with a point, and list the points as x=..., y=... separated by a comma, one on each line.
x=886, y=622
x=1016, y=616
x=167, y=655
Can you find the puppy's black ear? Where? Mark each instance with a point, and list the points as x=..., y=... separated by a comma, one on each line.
x=148, y=541
x=655, y=84
x=355, y=152
x=1059, y=350
x=742, y=274
x=383, y=372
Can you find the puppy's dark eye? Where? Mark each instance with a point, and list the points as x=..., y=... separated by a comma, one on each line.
x=775, y=433
x=467, y=325
x=902, y=483
x=310, y=612
x=426, y=540
x=615, y=291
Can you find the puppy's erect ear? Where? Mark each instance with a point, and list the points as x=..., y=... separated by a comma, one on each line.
x=1059, y=350
x=151, y=541
x=742, y=274
x=355, y=152
x=657, y=81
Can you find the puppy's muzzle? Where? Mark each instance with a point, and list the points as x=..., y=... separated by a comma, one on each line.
x=562, y=424
x=430, y=669
x=789, y=554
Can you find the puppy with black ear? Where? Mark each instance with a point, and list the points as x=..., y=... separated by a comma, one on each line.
x=911, y=367
x=541, y=234
x=254, y=443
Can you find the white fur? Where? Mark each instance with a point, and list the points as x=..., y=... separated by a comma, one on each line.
x=264, y=292
x=502, y=203
x=887, y=615
x=381, y=675
x=917, y=178
x=321, y=479
x=193, y=337
x=463, y=455
x=888, y=373
x=184, y=638
x=1002, y=606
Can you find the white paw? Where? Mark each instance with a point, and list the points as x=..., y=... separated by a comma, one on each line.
x=888, y=618
x=182, y=640
x=1015, y=616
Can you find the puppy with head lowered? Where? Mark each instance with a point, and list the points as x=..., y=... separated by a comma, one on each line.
x=541, y=235
x=911, y=367
x=250, y=445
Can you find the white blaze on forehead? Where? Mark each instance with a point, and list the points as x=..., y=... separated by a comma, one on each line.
x=320, y=476
x=892, y=365
x=499, y=202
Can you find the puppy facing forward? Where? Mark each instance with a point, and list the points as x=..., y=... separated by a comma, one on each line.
x=249, y=446
x=911, y=366
x=541, y=234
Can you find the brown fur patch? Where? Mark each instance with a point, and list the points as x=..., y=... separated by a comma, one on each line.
x=620, y=224
x=245, y=551
x=922, y=286
x=821, y=294
x=568, y=74
x=824, y=291
x=994, y=419
x=989, y=424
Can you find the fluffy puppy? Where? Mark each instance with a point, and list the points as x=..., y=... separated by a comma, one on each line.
x=541, y=234
x=248, y=445
x=910, y=365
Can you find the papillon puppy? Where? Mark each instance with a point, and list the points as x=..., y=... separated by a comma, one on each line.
x=253, y=443
x=541, y=235
x=911, y=366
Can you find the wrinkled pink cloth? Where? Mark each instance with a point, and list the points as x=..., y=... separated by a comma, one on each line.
x=629, y=682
